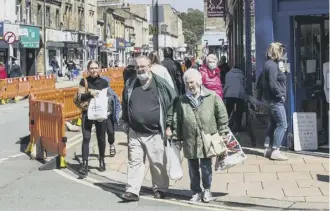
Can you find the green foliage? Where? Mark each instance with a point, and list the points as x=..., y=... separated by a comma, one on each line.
x=193, y=26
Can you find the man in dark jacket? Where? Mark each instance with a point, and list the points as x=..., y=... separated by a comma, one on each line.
x=146, y=101
x=15, y=69
x=129, y=71
x=175, y=70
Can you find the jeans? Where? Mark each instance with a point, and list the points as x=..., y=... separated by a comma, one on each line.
x=277, y=124
x=206, y=166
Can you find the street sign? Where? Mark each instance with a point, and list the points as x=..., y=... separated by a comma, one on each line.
x=9, y=37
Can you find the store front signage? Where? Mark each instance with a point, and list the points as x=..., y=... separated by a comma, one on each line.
x=1, y=30
x=55, y=35
x=29, y=36
x=71, y=37
x=120, y=43
x=215, y=8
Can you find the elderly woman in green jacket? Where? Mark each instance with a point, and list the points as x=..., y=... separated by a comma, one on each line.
x=182, y=123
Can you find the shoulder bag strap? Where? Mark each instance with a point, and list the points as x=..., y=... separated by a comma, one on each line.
x=86, y=85
x=198, y=120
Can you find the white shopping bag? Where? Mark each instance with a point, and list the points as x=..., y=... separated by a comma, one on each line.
x=98, y=106
x=234, y=155
x=174, y=168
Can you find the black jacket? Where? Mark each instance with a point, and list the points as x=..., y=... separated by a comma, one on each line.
x=93, y=84
x=271, y=83
x=175, y=70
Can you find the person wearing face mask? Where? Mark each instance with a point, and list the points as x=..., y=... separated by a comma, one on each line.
x=211, y=75
x=182, y=126
x=146, y=100
x=94, y=84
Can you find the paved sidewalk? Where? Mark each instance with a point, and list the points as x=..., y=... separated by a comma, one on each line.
x=63, y=82
x=300, y=182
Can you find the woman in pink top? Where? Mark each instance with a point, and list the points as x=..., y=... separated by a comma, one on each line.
x=3, y=73
x=211, y=75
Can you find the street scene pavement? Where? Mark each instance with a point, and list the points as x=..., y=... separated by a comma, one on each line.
x=299, y=183
x=24, y=187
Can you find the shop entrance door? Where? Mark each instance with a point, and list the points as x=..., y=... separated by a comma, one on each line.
x=311, y=54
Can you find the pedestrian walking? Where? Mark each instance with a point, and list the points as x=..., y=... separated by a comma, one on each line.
x=272, y=91
x=89, y=88
x=114, y=110
x=159, y=69
x=234, y=94
x=146, y=100
x=211, y=75
x=174, y=69
x=198, y=111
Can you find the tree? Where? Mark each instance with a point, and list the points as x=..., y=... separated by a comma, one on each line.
x=193, y=26
x=190, y=39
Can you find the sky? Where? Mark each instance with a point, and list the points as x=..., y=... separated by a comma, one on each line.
x=180, y=5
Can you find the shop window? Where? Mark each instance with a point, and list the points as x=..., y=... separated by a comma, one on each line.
x=57, y=18
x=47, y=23
x=39, y=15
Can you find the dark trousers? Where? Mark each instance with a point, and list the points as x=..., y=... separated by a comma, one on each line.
x=235, y=115
x=87, y=130
x=111, y=129
x=205, y=164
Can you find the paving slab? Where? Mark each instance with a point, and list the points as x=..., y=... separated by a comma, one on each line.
x=258, y=181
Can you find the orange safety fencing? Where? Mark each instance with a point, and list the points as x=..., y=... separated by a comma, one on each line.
x=48, y=132
x=13, y=87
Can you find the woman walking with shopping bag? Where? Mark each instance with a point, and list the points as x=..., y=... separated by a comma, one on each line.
x=90, y=98
x=199, y=120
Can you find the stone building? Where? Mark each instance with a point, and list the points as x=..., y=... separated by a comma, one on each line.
x=169, y=34
x=69, y=33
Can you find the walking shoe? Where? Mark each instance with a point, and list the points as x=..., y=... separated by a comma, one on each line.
x=197, y=197
x=159, y=195
x=207, y=196
x=278, y=155
x=102, y=164
x=112, y=150
x=127, y=196
x=84, y=168
x=268, y=152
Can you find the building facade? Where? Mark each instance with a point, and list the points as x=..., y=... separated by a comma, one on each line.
x=169, y=34
x=214, y=39
x=303, y=27
x=19, y=38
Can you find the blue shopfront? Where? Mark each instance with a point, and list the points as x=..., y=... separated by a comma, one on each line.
x=303, y=26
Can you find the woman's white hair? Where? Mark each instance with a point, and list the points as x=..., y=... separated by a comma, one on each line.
x=194, y=74
x=212, y=57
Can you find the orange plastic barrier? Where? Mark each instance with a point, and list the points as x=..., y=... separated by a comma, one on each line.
x=64, y=96
x=48, y=132
x=13, y=87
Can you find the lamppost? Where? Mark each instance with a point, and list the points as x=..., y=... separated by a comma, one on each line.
x=44, y=34
x=155, y=24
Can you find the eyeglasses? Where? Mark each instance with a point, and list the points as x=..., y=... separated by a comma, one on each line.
x=94, y=68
